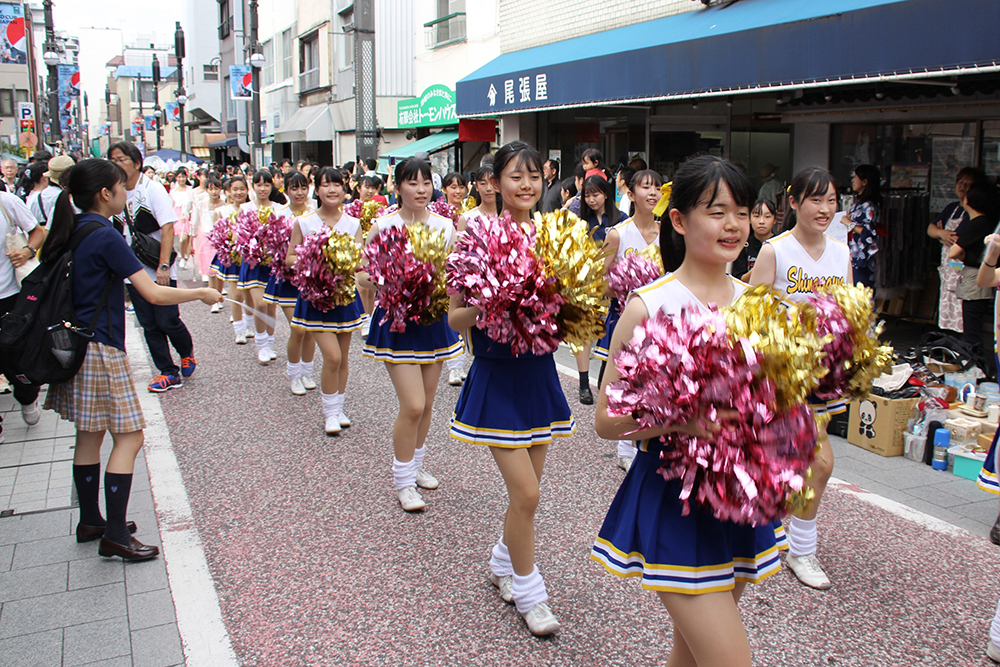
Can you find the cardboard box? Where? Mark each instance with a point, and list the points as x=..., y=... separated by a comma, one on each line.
x=877, y=424
x=985, y=440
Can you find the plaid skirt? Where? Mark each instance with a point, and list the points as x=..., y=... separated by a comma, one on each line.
x=101, y=397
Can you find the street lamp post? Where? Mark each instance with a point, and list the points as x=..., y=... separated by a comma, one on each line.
x=156, y=99
x=181, y=94
x=51, y=58
x=257, y=60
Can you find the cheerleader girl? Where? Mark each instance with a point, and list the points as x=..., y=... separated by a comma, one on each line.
x=330, y=328
x=485, y=196
x=301, y=346
x=795, y=263
x=368, y=190
x=413, y=357
x=236, y=195
x=253, y=281
x=204, y=216
x=633, y=235
x=515, y=406
x=455, y=189
x=181, y=195
x=697, y=564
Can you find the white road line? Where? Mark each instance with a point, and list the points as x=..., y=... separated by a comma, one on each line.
x=199, y=617
x=900, y=510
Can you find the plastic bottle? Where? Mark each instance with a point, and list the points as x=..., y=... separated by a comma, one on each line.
x=942, y=440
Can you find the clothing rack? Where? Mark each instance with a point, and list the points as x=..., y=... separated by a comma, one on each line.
x=905, y=247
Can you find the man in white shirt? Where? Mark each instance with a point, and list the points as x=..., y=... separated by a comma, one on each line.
x=148, y=210
x=9, y=170
x=15, y=215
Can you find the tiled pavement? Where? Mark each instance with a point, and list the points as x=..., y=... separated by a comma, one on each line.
x=61, y=603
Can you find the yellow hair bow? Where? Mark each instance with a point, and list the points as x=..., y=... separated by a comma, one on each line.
x=661, y=206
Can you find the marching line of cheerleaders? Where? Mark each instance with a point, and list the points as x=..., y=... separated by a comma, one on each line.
x=515, y=405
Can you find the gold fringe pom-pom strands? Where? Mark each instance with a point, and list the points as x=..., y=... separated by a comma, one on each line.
x=429, y=246
x=570, y=254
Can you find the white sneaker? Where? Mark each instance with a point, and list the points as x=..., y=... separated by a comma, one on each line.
x=251, y=332
x=308, y=382
x=365, y=328
x=31, y=413
x=992, y=652
x=410, y=500
x=204, y=279
x=216, y=308
x=540, y=619
x=455, y=377
x=272, y=354
x=506, y=586
x=624, y=462
x=345, y=421
x=263, y=357
x=808, y=570
x=297, y=387
x=332, y=425
x=225, y=291
x=241, y=338
x=181, y=263
x=425, y=480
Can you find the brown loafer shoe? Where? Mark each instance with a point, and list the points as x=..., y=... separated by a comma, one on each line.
x=135, y=550
x=86, y=533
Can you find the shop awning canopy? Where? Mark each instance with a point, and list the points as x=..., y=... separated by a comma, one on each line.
x=429, y=144
x=310, y=123
x=747, y=46
x=225, y=143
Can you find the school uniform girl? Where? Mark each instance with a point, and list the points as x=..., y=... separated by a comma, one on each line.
x=697, y=564
x=301, y=347
x=633, y=235
x=413, y=358
x=455, y=190
x=253, y=280
x=204, y=217
x=796, y=263
x=101, y=397
x=182, y=198
x=515, y=406
x=332, y=328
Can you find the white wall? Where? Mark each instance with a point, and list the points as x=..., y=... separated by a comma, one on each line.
x=448, y=64
x=810, y=146
x=201, y=41
x=528, y=23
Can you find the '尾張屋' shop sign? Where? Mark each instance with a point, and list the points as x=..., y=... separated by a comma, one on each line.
x=435, y=106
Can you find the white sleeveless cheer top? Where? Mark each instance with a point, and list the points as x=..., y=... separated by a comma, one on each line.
x=668, y=294
x=630, y=239
x=310, y=223
x=434, y=221
x=798, y=275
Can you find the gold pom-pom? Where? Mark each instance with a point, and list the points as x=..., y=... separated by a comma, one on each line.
x=467, y=205
x=569, y=253
x=784, y=335
x=652, y=253
x=343, y=256
x=369, y=211
x=429, y=246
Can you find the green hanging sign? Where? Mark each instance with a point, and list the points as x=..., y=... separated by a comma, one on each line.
x=434, y=107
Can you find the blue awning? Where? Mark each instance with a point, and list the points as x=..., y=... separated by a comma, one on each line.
x=743, y=47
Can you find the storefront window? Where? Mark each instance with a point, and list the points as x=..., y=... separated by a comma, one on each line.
x=911, y=157
x=991, y=147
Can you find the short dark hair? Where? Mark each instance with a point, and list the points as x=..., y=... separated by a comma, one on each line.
x=371, y=163
x=285, y=161
x=554, y=164
x=810, y=182
x=626, y=173
x=594, y=155
x=127, y=149
x=371, y=181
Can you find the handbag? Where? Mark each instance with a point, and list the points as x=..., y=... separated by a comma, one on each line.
x=145, y=247
x=17, y=240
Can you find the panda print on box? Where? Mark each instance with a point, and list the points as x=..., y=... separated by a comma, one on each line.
x=866, y=414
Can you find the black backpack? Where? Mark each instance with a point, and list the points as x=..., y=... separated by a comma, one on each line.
x=41, y=341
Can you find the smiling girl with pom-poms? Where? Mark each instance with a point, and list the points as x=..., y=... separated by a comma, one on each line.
x=324, y=254
x=405, y=251
x=681, y=549
x=512, y=400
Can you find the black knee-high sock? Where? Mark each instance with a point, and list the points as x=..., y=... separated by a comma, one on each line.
x=600, y=375
x=88, y=487
x=116, y=491
x=584, y=380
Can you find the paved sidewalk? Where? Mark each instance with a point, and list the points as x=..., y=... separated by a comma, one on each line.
x=60, y=603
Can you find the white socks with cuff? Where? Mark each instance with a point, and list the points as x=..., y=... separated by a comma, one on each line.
x=293, y=370
x=528, y=591
x=801, y=537
x=404, y=474
x=500, y=560
x=626, y=449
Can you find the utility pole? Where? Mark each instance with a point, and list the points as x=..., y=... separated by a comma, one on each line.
x=156, y=97
x=256, y=60
x=51, y=58
x=181, y=95
x=365, y=124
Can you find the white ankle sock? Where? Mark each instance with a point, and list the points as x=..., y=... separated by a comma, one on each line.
x=270, y=341
x=341, y=398
x=260, y=340
x=239, y=326
x=292, y=370
x=458, y=363
x=500, y=560
x=418, y=456
x=528, y=591
x=995, y=628
x=801, y=537
x=329, y=404
x=305, y=369
x=404, y=474
x=626, y=449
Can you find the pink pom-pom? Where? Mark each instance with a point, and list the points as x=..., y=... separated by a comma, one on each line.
x=631, y=272
x=494, y=266
x=324, y=269
x=222, y=236
x=353, y=208
x=831, y=320
x=251, y=226
x=275, y=237
x=677, y=370
x=444, y=209
x=406, y=286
